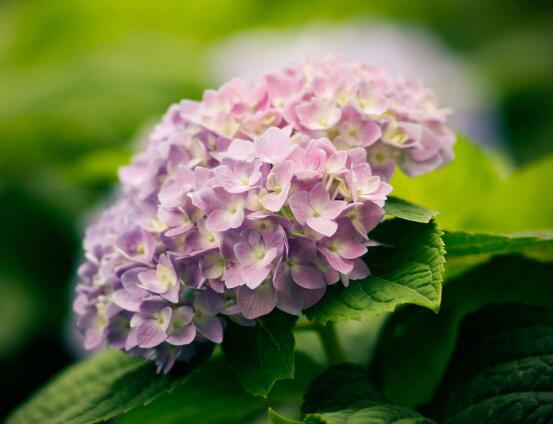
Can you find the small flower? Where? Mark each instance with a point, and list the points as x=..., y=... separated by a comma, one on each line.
x=256, y=254
x=163, y=280
x=181, y=331
x=316, y=210
x=318, y=114
x=278, y=186
x=238, y=176
x=137, y=244
x=365, y=186
x=152, y=323
x=274, y=145
x=342, y=250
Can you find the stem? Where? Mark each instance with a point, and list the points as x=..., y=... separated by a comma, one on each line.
x=331, y=343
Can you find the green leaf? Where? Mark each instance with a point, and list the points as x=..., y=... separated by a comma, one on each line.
x=338, y=387
x=407, y=269
x=369, y=412
x=403, y=209
x=472, y=194
x=276, y=418
x=429, y=339
x=214, y=395
x=502, y=369
x=262, y=354
x=463, y=244
x=100, y=387
x=466, y=250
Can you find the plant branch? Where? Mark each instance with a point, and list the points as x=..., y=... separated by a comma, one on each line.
x=331, y=343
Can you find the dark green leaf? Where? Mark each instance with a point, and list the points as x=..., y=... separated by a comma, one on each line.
x=408, y=269
x=403, y=209
x=214, y=395
x=276, y=418
x=416, y=343
x=99, y=388
x=502, y=369
x=369, y=412
x=262, y=354
x=338, y=387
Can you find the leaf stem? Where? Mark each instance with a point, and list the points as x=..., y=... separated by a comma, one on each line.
x=331, y=343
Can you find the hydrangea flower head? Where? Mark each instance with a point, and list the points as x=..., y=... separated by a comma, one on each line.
x=258, y=197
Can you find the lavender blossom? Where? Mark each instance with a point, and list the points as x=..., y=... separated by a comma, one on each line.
x=258, y=197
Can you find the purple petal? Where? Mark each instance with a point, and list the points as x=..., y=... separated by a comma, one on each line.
x=308, y=276
x=150, y=334
x=258, y=302
x=336, y=261
x=210, y=327
x=182, y=336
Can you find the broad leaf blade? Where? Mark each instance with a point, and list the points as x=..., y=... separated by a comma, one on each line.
x=408, y=269
x=464, y=244
x=338, y=387
x=502, y=370
x=369, y=412
x=430, y=338
x=403, y=209
x=467, y=250
x=98, y=388
x=262, y=354
x=214, y=395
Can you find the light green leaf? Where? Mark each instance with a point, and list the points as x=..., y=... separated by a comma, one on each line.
x=466, y=250
x=463, y=244
x=98, y=388
x=502, y=369
x=472, y=195
x=429, y=339
x=407, y=269
x=369, y=412
x=403, y=209
x=263, y=354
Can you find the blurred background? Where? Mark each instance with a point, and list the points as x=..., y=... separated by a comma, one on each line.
x=81, y=81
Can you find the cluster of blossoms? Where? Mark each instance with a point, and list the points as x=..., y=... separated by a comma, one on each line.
x=258, y=197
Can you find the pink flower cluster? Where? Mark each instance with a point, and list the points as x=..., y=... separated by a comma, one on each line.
x=258, y=197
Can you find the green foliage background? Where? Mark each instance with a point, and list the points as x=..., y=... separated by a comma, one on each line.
x=80, y=80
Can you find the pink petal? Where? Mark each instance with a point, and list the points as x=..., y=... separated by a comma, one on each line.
x=336, y=261
x=241, y=150
x=274, y=201
x=322, y=225
x=254, y=275
x=274, y=145
x=318, y=114
x=301, y=208
x=334, y=208
x=222, y=220
x=319, y=198
x=229, y=181
x=244, y=253
x=350, y=249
